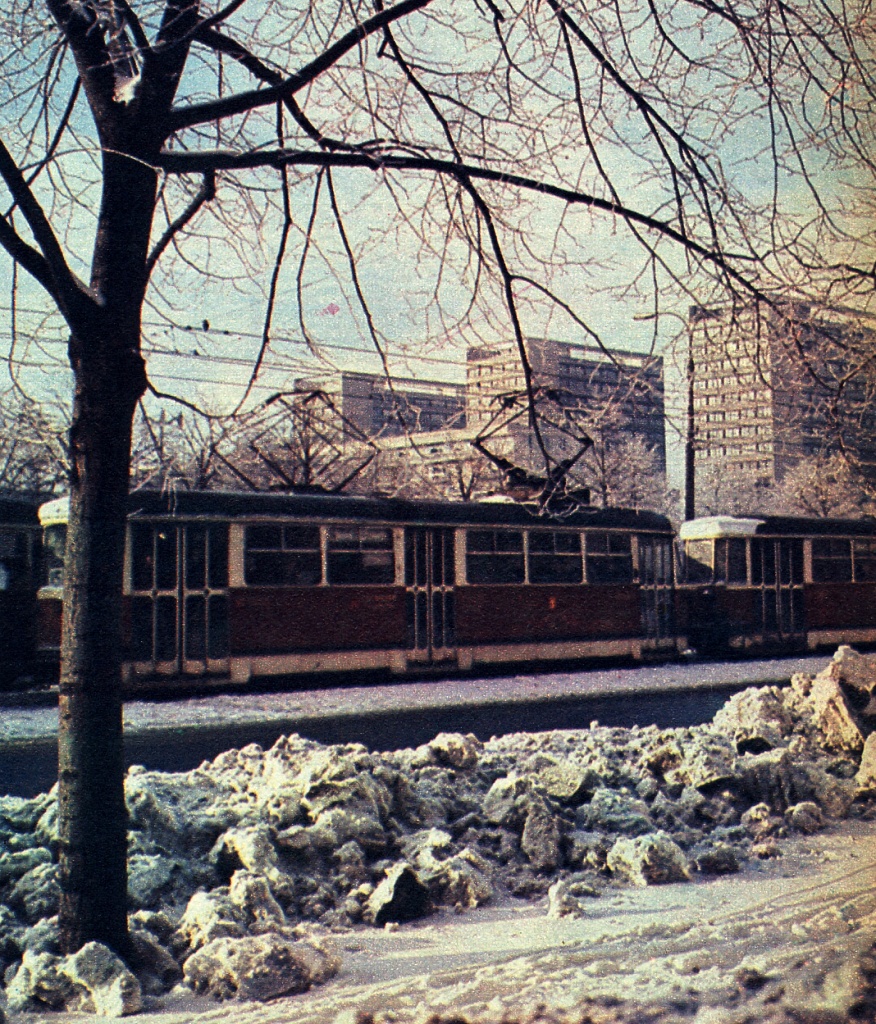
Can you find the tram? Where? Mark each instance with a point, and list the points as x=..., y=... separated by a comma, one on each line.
x=239, y=587
x=776, y=583
x=234, y=588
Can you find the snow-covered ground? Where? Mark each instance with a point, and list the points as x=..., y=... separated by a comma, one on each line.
x=784, y=940
x=719, y=874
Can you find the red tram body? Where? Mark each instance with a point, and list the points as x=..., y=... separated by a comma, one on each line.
x=777, y=583
x=245, y=586
x=227, y=587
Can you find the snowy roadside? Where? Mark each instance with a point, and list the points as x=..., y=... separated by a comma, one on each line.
x=675, y=871
x=787, y=938
x=21, y=724
x=784, y=940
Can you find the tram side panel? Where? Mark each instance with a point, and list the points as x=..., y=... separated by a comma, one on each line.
x=298, y=620
x=840, y=613
x=527, y=614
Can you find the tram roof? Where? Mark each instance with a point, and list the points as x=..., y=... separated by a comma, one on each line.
x=242, y=505
x=716, y=527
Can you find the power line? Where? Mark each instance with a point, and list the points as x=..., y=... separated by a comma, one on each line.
x=219, y=332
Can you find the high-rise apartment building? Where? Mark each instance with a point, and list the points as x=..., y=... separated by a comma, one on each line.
x=771, y=389
x=425, y=431
x=369, y=407
x=613, y=390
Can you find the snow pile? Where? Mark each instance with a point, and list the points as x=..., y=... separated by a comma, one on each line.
x=241, y=870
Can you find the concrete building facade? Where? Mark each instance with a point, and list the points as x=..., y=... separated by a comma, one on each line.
x=615, y=389
x=424, y=430
x=773, y=389
x=370, y=408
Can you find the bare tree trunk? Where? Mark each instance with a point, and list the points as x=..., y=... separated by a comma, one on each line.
x=92, y=821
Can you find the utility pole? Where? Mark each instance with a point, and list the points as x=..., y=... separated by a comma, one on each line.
x=689, y=446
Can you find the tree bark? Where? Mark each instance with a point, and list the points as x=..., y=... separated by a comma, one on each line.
x=110, y=378
x=92, y=821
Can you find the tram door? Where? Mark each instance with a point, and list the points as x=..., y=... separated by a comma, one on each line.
x=430, y=578
x=179, y=602
x=777, y=570
x=655, y=584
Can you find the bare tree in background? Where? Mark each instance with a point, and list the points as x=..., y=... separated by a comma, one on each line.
x=300, y=442
x=185, y=449
x=290, y=443
x=621, y=471
x=500, y=143
x=723, y=490
x=33, y=446
x=822, y=487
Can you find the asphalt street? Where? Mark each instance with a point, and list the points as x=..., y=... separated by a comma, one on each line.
x=175, y=735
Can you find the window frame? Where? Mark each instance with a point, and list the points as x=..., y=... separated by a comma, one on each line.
x=594, y=558
x=360, y=550
x=867, y=556
x=284, y=549
x=568, y=557
x=832, y=558
x=495, y=552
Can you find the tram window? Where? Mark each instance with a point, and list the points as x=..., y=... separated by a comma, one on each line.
x=278, y=556
x=165, y=558
x=142, y=556
x=141, y=629
x=494, y=556
x=865, y=560
x=54, y=544
x=217, y=550
x=196, y=558
x=206, y=556
x=655, y=560
x=609, y=558
x=730, y=564
x=831, y=560
x=554, y=557
x=360, y=555
x=13, y=559
x=791, y=561
x=698, y=561
x=264, y=537
x=153, y=557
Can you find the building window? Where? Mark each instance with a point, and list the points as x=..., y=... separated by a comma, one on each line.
x=555, y=557
x=831, y=560
x=282, y=556
x=609, y=558
x=494, y=556
x=360, y=555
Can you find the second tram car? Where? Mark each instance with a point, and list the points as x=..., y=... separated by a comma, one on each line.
x=245, y=586
x=777, y=583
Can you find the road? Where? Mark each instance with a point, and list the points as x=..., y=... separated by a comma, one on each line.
x=175, y=735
